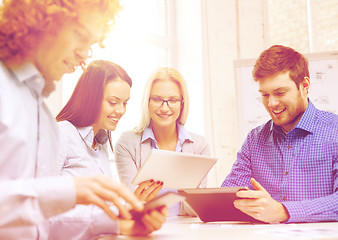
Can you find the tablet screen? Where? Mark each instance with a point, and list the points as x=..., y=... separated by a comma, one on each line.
x=175, y=169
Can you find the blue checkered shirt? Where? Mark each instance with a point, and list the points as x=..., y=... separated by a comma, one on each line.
x=298, y=169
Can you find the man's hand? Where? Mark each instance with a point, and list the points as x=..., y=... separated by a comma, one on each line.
x=148, y=190
x=260, y=205
x=149, y=222
x=100, y=189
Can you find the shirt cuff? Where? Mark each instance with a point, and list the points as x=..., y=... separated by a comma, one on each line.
x=297, y=211
x=104, y=225
x=56, y=194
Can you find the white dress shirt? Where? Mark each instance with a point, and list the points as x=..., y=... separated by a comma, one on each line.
x=76, y=157
x=29, y=191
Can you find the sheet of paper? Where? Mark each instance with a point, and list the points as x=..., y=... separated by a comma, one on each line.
x=311, y=231
x=292, y=231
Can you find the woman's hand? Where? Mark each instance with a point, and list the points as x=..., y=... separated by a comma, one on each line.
x=148, y=190
x=149, y=222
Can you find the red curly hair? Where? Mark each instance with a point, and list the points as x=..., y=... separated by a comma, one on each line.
x=20, y=32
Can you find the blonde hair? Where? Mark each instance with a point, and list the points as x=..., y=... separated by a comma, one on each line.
x=24, y=22
x=160, y=74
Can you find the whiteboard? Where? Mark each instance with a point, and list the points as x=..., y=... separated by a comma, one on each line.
x=323, y=92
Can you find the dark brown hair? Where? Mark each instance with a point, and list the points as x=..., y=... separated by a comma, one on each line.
x=84, y=106
x=280, y=59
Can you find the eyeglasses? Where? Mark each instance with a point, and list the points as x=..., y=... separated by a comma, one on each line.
x=158, y=102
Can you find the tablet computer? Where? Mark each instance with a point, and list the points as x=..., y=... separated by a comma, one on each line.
x=215, y=204
x=167, y=199
x=175, y=169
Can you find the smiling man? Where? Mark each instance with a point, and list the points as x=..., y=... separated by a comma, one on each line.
x=290, y=162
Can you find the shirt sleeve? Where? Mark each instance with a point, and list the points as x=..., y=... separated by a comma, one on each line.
x=32, y=201
x=83, y=222
x=315, y=210
x=318, y=209
x=125, y=161
x=241, y=171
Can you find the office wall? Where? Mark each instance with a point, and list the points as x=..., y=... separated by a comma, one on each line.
x=189, y=59
x=231, y=30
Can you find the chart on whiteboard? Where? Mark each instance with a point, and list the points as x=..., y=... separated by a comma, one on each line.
x=324, y=84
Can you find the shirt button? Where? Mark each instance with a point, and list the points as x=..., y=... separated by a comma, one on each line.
x=284, y=198
x=289, y=147
x=38, y=80
x=286, y=172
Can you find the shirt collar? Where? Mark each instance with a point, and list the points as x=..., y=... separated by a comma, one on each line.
x=183, y=134
x=148, y=134
x=87, y=134
x=305, y=123
x=31, y=76
x=307, y=120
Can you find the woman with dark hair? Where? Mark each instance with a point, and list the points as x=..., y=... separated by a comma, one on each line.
x=98, y=102
x=92, y=112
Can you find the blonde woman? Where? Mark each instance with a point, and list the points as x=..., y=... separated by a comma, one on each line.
x=164, y=111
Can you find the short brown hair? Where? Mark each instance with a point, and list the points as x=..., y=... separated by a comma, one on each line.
x=280, y=59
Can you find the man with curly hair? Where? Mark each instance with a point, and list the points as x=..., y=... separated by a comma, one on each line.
x=40, y=41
